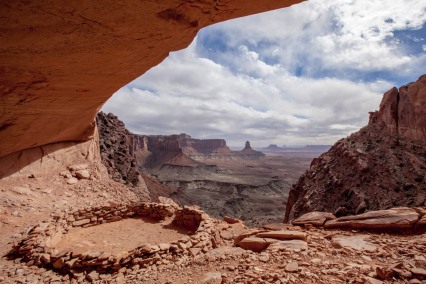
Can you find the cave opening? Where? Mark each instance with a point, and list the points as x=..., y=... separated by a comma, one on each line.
x=291, y=92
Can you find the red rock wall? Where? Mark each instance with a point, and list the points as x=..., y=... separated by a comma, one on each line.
x=404, y=110
x=60, y=61
x=379, y=167
x=203, y=146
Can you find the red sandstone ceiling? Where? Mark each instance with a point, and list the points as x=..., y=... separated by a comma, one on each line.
x=60, y=61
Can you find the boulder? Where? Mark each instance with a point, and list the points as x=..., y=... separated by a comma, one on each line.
x=283, y=235
x=314, y=218
x=254, y=244
x=392, y=219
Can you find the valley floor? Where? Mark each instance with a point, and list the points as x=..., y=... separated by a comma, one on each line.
x=254, y=191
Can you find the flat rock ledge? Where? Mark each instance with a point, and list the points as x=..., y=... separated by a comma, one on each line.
x=258, y=240
x=400, y=220
x=38, y=245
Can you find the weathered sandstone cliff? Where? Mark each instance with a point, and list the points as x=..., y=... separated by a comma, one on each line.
x=116, y=147
x=381, y=166
x=60, y=61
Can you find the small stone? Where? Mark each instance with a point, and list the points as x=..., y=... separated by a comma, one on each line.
x=45, y=258
x=231, y=220
x=264, y=257
x=292, y=267
x=78, y=167
x=164, y=246
x=72, y=180
x=419, y=271
x=370, y=280
x=212, y=278
x=93, y=276
x=93, y=254
x=81, y=222
x=59, y=263
x=366, y=257
x=82, y=174
x=194, y=251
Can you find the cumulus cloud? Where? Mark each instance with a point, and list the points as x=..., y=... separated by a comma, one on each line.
x=304, y=75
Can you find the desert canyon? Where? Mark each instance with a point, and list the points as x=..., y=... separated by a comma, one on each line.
x=84, y=200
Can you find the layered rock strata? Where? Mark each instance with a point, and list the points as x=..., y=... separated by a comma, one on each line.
x=182, y=149
x=379, y=167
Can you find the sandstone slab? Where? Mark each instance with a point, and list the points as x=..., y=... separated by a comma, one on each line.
x=391, y=219
x=315, y=218
x=283, y=235
x=276, y=226
x=246, y=233
x=289, y=245
x=357, y=242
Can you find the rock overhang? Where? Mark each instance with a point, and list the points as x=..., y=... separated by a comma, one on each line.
x=60, y=62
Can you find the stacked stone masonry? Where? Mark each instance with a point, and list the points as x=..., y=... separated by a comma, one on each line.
x=38, y=247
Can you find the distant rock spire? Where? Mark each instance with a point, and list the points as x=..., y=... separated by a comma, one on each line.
x=247, y=145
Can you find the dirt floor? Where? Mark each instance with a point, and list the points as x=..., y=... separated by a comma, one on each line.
x=123, y=235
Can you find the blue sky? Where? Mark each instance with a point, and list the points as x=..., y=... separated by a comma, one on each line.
x=308, y=74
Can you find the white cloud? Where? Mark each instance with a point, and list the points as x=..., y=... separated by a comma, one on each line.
x=253, y=91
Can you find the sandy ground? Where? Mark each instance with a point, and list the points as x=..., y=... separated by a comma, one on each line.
x=123, y=235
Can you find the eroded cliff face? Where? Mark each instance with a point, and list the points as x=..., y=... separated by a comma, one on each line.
x=404, y=110
x=116, y=148
x=60, y=61
x=381, y=166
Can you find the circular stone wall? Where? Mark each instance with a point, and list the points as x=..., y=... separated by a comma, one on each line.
x=45, y=244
